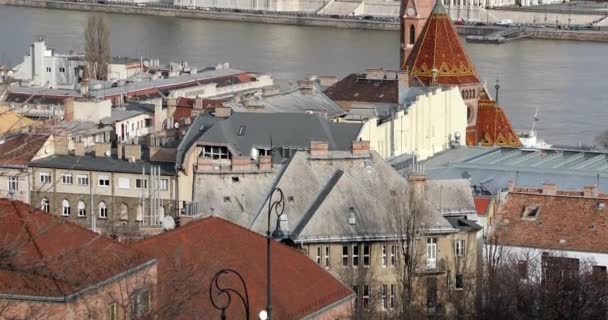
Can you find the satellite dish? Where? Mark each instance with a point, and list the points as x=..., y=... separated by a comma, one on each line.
x=176, y=125
x=168, y=223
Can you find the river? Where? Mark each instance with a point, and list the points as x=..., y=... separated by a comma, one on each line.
x=566, y=79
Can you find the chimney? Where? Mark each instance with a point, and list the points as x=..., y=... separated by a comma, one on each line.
x=68, y=109
x=241, y=163
x=198, y=103
x=223, y=112
x=328, y=81
x=119, y=151
x=360, y=148
x=549, y=189
x=319, y=149
x=102, y=149
x=417, y=181
x=60, y=141
x=132, y=152
x=590, y=192
x=265, y=163
x=510, y=186
x=307, y=86
x=403, y=83
x=79, y=149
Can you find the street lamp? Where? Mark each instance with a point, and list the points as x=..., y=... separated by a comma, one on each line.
x=278, y=206
x=227, y=293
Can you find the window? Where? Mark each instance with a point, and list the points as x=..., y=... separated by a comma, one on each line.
x=45, y=177
x=48, y=69
x=66, y=207
x=124, y=212
x=103, y=210
x=215, y=152
x=431, y=294
x=599, y=275
x=141, y=303
x=384, y=297
x=460, y=248
x=531, y=211
x=384, y=256
x=44, y=205
x=112, y=311
x=326, y=256
x=103, y=181
x=392, y=296
x=559, y=272
x=345, y=256
x=164, y=184
x=366, y=255
x=62, y=69
x=67, y=179
x=82, y=209
x=318, y=255
x=522, y=269
x=412, y=35
x=365, y=296
x=13, y=184
x=227, y=199
x=82, y=180
x=124, y=183
x=291, y=199
x=355, y=256
x=459, y=281
x=141, y=183
x=431, y=253
x=235, y=179
x=393, y=255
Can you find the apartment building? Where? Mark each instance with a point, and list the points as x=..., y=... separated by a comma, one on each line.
x=115, y=194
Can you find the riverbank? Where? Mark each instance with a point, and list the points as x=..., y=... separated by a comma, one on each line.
x=301, y=19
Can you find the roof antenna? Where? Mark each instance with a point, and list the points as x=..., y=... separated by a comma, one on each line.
x=497, y=87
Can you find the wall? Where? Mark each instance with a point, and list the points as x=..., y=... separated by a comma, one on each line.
x=534, y=256
x=92, y=111
x=134, y=127
x=212, y=90
x=22, y=193
x=423, y=129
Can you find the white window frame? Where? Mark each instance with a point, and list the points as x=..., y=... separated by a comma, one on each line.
x=326, y=258
x=393, y=255
x=45, y=205
x=124, y=183
x=318, y=258
x=367, y=257
x=384, y=256
x=45, y=177
x=103, y=211
x=13, y=184
x=82, y=180
x=139, y=302
x=67, y=179
x=392, y=296
x=384, y=297
x=82, y=212
x=164, y=184
x=103, y=178
x=431, y=253
x=355, y=255
x=459, y=248
x=141, y=182
x=366, y=294
x=65, y=210
x=345, y=256
x=112, y=311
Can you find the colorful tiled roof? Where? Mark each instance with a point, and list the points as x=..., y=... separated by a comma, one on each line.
x=560, y=222
x=439, y=47
x=493, y=127
x=355, y=87
x=482, y=204
x=189, y=256
x=45, y=256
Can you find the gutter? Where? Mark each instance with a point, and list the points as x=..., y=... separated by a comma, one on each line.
x=74, y=296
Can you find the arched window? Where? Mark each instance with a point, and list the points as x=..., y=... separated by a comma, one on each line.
x=412, y=35
x=66, y=207
x=44, y=205
x=82, y=209
x=140, y=213
x=103, y=210
x=124, y=211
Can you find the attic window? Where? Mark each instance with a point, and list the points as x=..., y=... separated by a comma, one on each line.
x=291, y=199
x=242, y=130
x=235, y=179
x=531, y=211
x=352, y=220
x=227, y=200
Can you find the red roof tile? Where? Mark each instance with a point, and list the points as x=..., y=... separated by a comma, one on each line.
x=439, y=47
x=192, y=254
x=43, y=255
x=561, y=222
x=355, y=87
x=19, y=149
x=481, y=204
x=493, y=127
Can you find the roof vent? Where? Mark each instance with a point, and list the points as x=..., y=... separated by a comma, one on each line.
x=352, y=220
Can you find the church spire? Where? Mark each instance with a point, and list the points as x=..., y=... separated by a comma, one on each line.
x=413, y=14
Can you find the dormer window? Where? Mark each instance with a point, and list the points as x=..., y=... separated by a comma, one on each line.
x=531, y=211
x=242, y=130
x=352, y=220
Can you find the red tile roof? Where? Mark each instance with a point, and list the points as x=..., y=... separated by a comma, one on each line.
x=482, y=204
x=355, y=87
x=439, y=47
x=192, y=254
x=493, y=127
x=17, y=150
x=46, y=256
x=562, y=222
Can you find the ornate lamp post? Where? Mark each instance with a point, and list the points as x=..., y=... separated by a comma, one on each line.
x=214, y=287
x=278, y=206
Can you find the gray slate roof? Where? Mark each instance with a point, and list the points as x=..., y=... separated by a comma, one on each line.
x=199, y=126
x=130, y=111
x=282, y=129
x=101, y=164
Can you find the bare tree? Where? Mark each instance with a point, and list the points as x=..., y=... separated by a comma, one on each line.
x=97, y=48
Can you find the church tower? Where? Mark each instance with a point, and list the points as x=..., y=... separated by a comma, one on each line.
x=412, y=15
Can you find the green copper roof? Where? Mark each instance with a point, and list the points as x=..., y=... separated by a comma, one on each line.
x=439, y=8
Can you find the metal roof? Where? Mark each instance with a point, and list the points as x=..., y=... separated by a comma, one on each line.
x=102, y=164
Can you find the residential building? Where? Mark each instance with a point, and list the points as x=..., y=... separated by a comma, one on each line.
x=16, y=151
x=132, y=121
x=53, y=269
x=118, y=194
x=398, y=118
x=300, y=288
x=11, y=121
x=342, y=208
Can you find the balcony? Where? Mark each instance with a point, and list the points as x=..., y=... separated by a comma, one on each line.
x=432, y=267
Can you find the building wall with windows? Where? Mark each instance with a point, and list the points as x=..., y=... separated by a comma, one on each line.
x=113, y=198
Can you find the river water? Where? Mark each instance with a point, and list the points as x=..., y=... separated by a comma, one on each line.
x=568, y=80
